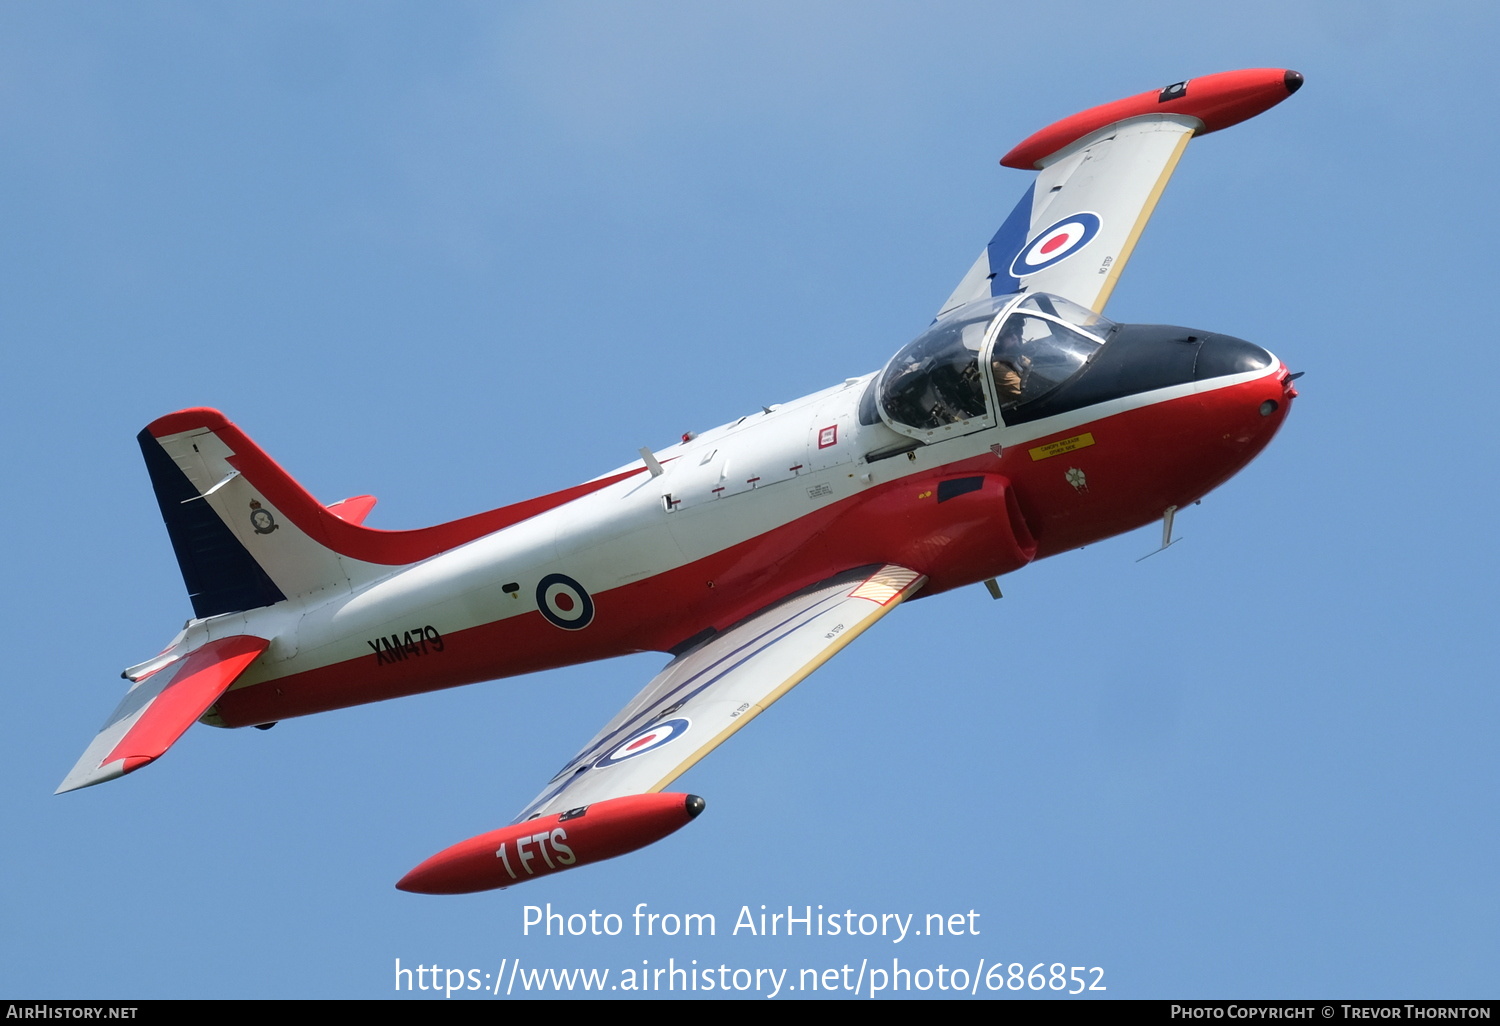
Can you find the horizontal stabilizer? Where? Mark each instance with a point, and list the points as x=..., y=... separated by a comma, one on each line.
x=353, y=511
x=160, y=707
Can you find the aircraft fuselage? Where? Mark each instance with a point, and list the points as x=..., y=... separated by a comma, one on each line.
x=765, y=506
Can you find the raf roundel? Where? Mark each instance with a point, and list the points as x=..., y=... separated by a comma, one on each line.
x=564, y=603
x=648, y=740
x=1056, y=243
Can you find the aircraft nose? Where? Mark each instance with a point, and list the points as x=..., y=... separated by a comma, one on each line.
x=1143, y=358
x=1221, y=355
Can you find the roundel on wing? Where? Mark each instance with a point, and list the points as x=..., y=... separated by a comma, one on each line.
x=1056, y=243
x=564, y=602
x=648, y=740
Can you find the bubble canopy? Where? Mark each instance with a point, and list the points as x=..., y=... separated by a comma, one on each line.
x=967, y=369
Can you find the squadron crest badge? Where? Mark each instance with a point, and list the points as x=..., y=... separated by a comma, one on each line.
x=261, y=519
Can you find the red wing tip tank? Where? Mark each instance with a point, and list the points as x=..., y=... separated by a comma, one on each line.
x=550, y=844
x=1213, y=101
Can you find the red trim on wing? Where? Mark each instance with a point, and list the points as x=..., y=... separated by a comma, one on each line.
x=200, y=680
x=368, y=544
x=1216, y=100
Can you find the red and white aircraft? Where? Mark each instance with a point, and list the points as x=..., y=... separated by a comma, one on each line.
x=1019, y=425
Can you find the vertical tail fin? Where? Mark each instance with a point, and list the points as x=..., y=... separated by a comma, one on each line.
x=220, y=574
x=247, y=535
x=237, y=546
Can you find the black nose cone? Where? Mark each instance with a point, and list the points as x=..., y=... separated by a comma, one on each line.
x=1140, y=358
x=1293, y=81
x=1219, y=355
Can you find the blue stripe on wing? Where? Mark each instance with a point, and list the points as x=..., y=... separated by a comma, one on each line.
x=1008, y=241
x=686, y=690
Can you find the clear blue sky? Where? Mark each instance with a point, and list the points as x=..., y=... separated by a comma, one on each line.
x=458, y=254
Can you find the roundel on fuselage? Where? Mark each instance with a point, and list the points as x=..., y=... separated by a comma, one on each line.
x=564, y=602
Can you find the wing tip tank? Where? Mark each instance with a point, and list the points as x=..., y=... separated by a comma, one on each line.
x=1216, y=101
x=550, y=844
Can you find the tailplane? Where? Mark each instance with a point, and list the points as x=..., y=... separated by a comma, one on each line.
x=247, y=536
x=160, y=707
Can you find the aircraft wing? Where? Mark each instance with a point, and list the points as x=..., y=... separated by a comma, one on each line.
x=1102, y=171
x=712, y=690
x=1075, y=228
x=160, y=706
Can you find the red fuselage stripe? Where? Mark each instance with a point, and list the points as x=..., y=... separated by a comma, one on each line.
x=367, y=544
x=1138, y=463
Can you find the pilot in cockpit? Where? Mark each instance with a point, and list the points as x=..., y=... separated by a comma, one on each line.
x=1008, y=360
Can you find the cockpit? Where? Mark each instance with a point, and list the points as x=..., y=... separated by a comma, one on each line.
x=1028, y=356
x=988, y=357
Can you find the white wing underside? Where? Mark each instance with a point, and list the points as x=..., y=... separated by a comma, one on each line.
x=1116, y=173
x=709, y=692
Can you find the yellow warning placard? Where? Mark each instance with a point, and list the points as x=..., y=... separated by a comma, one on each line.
x=1041, y=452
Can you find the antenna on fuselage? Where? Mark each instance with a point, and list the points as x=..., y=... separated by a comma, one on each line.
x=652, y=463
x=1167, y=541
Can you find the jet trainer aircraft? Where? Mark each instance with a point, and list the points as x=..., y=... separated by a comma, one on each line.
x=1020, y=424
